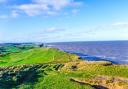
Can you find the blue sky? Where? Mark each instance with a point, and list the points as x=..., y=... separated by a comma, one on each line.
x=63, y=20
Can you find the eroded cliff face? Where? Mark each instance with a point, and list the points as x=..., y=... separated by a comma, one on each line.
x=100, y=75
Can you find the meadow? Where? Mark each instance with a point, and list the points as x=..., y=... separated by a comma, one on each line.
x=49, y=68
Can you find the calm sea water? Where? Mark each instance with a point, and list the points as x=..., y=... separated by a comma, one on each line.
x=114, y=51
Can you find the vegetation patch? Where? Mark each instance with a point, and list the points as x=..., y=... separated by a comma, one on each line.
x=13, y=76
x=37, y=56
x=49, y=68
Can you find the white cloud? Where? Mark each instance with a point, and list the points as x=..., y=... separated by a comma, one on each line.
x=110, y=27
x=53, y=30
x=40, y=7
x=113, y=31
x=44, y=34
x=55, y=4
x=120, y=24
x=48, y=7
x=33, y=9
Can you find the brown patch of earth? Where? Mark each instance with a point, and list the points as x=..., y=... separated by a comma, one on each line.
x=104, y=82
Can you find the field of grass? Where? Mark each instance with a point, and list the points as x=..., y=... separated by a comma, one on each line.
x=13, y=48
x=49, y=68
x=36, y=56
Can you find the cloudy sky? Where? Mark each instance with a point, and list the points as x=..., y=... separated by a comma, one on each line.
x=63, y=20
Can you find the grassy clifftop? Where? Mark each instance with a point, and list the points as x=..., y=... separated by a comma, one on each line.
x=37, y=56
x=49, y=68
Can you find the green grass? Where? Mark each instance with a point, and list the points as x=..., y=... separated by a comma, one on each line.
x=11, y=48
x=41, y=76
x=59, y=81
x=37, y=56
x=113, y=71
x=93, y=69
x=49, y=68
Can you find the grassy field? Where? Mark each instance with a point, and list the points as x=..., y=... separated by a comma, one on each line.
x=14, y=48
x=48, y=68
x=36, y=56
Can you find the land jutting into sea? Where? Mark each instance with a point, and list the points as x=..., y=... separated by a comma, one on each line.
x=33, y=66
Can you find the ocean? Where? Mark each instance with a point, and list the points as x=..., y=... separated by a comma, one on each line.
x=114, y=51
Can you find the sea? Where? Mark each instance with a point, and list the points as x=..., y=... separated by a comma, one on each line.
x=113, y=51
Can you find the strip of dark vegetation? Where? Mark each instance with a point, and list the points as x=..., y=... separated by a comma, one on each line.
x=11, y=77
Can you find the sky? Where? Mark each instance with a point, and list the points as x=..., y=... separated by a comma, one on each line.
x=63, y=20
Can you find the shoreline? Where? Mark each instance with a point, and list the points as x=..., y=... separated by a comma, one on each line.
x=91, y=58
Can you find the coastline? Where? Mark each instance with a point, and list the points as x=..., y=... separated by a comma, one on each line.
x=91, y=58
x=113, y=51
x=59, y=68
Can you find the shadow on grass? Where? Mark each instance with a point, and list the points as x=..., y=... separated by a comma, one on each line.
x=83, y=83
x=14, y=76
x=99, y=87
